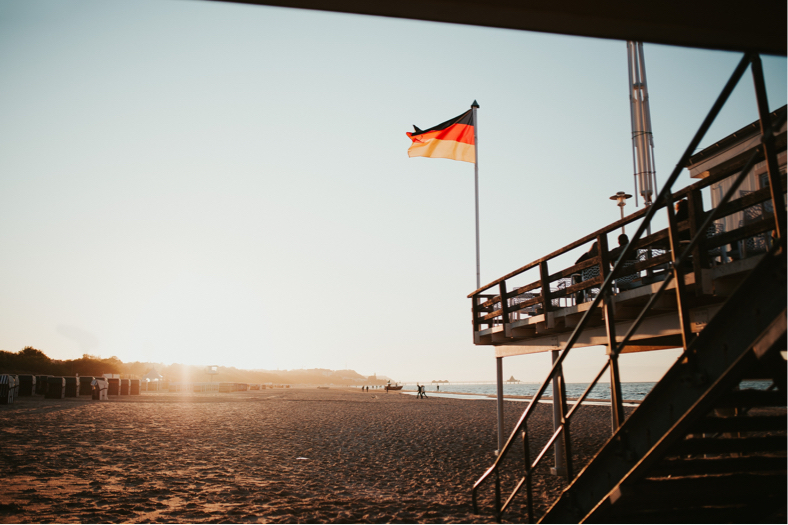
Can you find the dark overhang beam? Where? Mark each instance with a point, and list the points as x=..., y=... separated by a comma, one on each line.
x=724, y=25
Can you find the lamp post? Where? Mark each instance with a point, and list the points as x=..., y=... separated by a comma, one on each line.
x=621, y=197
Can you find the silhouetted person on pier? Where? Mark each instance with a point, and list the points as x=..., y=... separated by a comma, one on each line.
x=682, y=210
x=682, y=214
x=587, y=273
x=592, y=252
x=625, y=282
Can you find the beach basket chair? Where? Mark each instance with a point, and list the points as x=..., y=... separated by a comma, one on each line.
x=56, y=387
x=6, y=389
x=72, y=386
x=27, y=384
x=99, y=388
x=41, y=384
x=85, y=388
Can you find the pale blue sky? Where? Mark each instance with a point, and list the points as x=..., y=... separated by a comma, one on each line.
x=191, y=181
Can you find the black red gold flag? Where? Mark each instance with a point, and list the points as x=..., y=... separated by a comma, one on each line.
x=452, y=139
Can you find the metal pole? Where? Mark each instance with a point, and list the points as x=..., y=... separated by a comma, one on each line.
x=630, y=46
x=640, y=116
x=499, y=380
x=475, y=106
x=498, y=360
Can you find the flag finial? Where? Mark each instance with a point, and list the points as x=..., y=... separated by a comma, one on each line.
x=475, y=104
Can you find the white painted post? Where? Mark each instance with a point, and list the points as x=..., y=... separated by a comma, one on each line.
x=475, y=106
x=559, y=469
x=499, y=381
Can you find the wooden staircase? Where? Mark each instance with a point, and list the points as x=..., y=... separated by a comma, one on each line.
x=699, y=449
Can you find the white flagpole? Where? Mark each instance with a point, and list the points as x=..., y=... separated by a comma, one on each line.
x=498, y=360
x=475, y=106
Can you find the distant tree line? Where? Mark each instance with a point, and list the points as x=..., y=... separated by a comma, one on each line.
x=33, y=361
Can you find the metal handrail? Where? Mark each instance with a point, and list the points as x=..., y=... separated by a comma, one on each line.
x=664, y=199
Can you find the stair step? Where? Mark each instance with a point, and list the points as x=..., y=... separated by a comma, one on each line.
x=771, y=510
x=752, y=398
x=741, y=424
x=729, y=490
x=678, y=467
x=729, y=445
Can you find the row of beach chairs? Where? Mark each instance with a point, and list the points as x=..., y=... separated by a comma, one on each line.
x=219, y=387
x=60, y=387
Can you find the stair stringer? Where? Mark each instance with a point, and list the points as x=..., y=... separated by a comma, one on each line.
x=749, y=311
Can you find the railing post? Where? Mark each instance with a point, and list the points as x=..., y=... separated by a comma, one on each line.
x=700, y=256
x=507, y=329
x=772, y=169
x=547, y=304
x=616, y=403
x=475, y=312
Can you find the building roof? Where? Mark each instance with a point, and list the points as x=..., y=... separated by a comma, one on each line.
x=733, y=147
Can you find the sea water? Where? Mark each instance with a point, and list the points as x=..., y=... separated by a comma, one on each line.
x=629, y=391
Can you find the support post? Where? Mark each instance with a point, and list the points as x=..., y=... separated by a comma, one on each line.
x=565, y=422
x=559, y=469
x=700, y=256
x=769, y=150
x=616, y=404
x=678, y=275
x=499, y=391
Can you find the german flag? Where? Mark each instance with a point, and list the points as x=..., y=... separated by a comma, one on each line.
x=451, y=140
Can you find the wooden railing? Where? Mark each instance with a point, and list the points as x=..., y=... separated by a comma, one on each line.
x=537, y=296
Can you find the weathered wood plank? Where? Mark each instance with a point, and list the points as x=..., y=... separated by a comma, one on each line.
x=700, y=466
x=748, y=445
x=740, y=424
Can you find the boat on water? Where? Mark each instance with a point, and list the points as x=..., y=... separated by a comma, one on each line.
x=393, y=387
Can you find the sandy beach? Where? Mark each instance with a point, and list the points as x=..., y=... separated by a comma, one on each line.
x=272, y=456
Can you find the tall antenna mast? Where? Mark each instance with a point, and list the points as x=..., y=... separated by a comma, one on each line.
x=642, y=138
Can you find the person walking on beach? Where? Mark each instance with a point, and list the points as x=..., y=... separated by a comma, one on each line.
x=421, y=393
